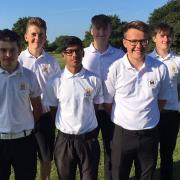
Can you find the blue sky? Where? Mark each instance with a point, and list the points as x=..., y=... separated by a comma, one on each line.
x=72, y=17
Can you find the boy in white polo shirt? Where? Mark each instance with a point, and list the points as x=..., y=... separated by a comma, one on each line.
x=169, y=119
x=44, y=66
x=74, y=92
x=136, y=89
x=97, y=58
x=19, y=91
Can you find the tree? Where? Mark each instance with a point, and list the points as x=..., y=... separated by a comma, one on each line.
x=116, y=36
x=57, y=43
x=20, y=28
x=169, y=13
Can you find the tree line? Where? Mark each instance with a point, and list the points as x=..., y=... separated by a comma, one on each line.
x=168, y=13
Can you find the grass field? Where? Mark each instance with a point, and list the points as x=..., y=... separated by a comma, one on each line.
x=176, y=156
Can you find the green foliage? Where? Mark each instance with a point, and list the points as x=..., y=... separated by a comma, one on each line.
x=57, y=43
x=87, y=39
x=20, y=27
x=117, y=31
x=169, y=13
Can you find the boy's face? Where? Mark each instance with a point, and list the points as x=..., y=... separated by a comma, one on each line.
x=9, y=52
x=35, y=37
x=135, y=41
x=73, y=56
x=101, y=34
x=163, y=40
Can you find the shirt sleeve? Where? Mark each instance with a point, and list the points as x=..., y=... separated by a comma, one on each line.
x=99, y=98
x=178, y=64
x=109, y=85
x=35, y=89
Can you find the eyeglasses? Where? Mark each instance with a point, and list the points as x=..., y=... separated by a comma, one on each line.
x=69, y=52
x=135, y=42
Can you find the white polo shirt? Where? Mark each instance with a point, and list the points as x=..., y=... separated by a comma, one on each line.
x=45, y=66
x=98, y=62
x=15, y=107
x=75, y=96
x=172, y=61
x=135, y=94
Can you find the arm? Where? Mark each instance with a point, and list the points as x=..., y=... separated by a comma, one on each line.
x=53, y=111
x=178, y=89
x=161, y=104
x=37, y=107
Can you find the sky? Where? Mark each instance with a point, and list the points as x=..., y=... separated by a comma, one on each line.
x=73, y=17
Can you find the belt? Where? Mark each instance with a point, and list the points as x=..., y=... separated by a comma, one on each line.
x=100, y=107
x=139, y=132
x=9, y=136
x=88, y=135
x=168, y=111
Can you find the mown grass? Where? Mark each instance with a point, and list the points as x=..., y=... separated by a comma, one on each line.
x=176, y=156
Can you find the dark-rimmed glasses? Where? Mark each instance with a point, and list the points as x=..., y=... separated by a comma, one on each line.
x=135, y=42
x=69, y=52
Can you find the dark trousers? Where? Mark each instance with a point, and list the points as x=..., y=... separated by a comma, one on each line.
x=169, y=127
x=77, y=150
x=45, y=137
x=130, y=145
x=106, y=126
x=21, y=154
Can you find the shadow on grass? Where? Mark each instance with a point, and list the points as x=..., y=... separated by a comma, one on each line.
x=157, y=172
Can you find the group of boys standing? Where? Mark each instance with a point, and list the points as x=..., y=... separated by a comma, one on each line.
x=131, y=97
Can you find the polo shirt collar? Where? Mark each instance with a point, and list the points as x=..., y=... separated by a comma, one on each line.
x=169, y=56
x=109, y=50
x=147, y=62
x=19, y=70
x=126, y=62
x=28, y=54
x=68, y=74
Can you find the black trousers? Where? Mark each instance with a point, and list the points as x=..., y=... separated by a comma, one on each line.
x=21, y=154
x=106, y=126
x=77, y=150
x=169, y=127
x=130, y=145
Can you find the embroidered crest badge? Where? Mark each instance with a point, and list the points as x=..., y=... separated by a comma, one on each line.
x=22, y=86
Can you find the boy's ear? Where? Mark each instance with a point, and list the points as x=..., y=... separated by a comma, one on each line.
x=91, y=31
x=25, y=37
x=154, y=38
x=62, y=54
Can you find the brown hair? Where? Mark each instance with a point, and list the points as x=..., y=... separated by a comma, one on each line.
x=37, y=21
x=10, y=36
x=162, y=27
x=139, y=25
x=101, y=21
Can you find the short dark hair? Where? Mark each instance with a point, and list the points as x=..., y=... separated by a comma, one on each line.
x=162, y=27
x=68, y=41
x=139, y=25
x=37, y=21
x=10, y=36
x=100, y=20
